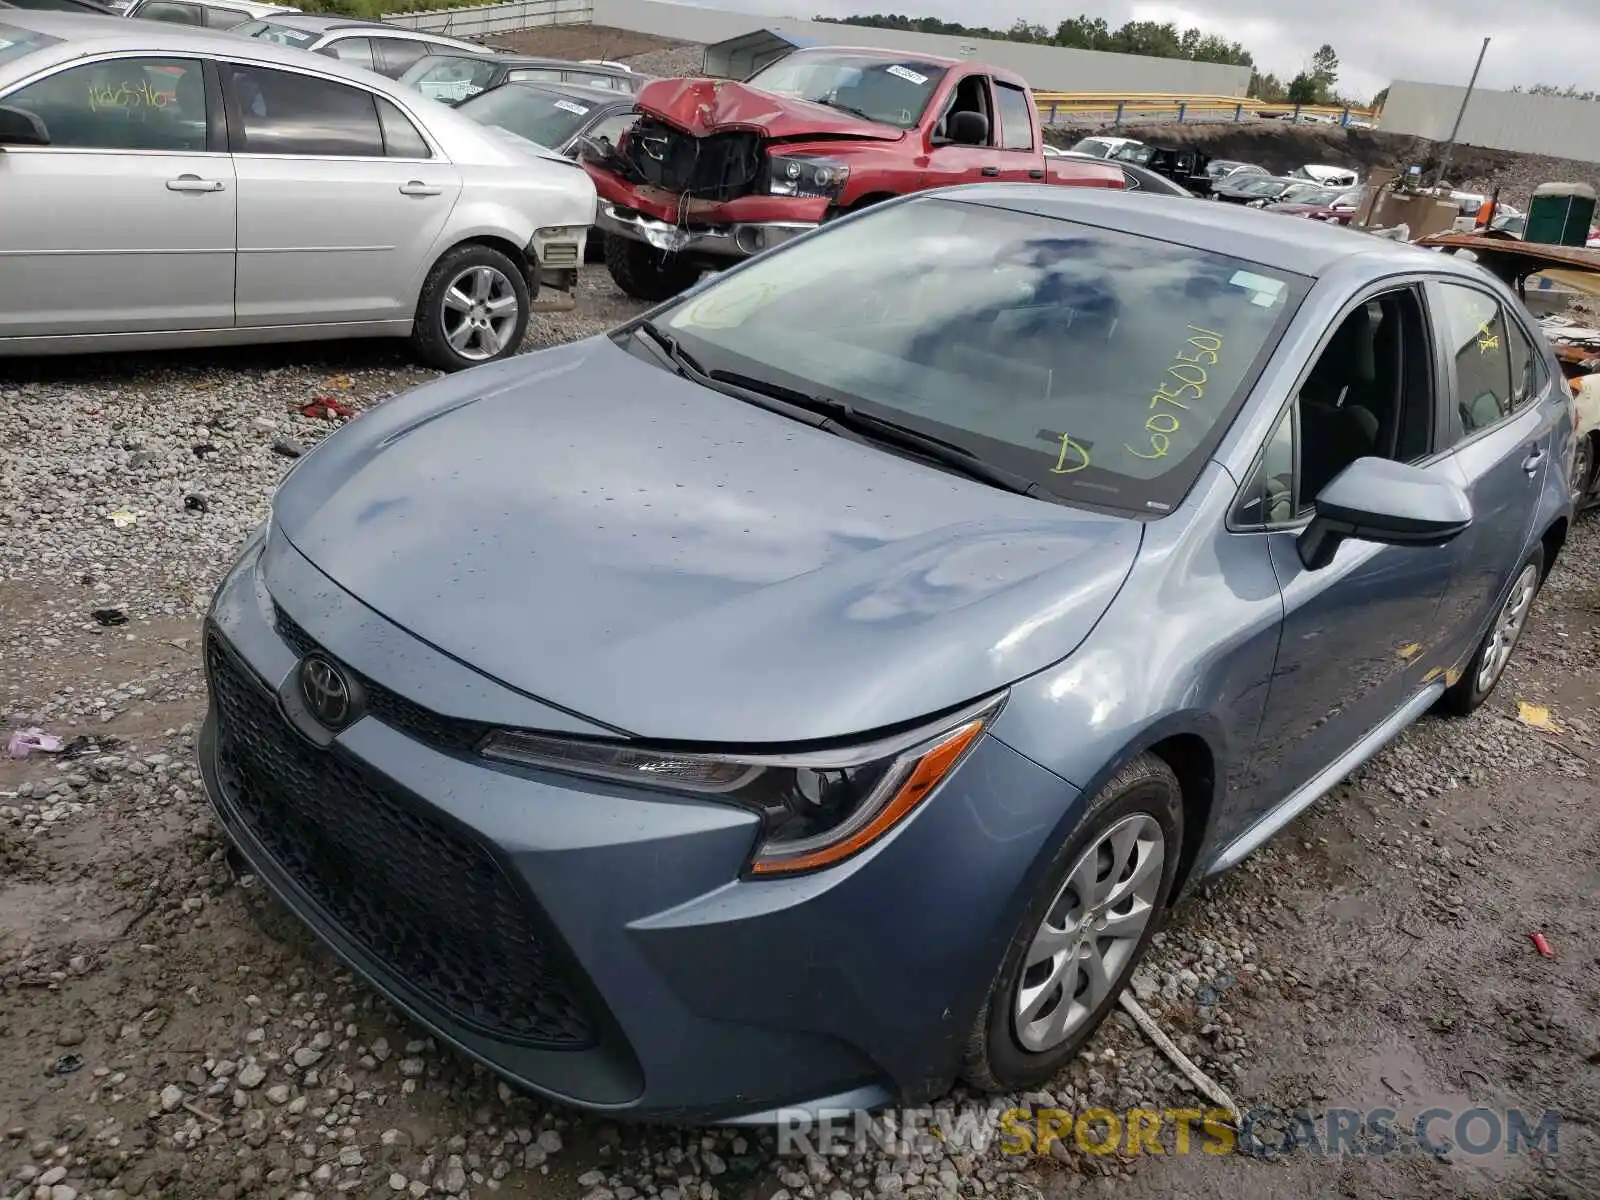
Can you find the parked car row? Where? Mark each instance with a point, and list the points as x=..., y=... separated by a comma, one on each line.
x=262, y=194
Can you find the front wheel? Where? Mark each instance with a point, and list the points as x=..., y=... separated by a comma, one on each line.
x=474, y=309
x=645, y=273
x=1101, y=901
x=1489, y=663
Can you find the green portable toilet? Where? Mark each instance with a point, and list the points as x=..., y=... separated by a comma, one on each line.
x=1561, y=214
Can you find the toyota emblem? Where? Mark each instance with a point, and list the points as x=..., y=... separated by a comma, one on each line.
x=326, y=693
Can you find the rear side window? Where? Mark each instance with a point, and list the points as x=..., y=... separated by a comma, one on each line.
x=175, y=14
x=286, y=113
x=536, y=74
x=225, y=18
x=1526, y=375
x=396, y=56
x=355, y=51
x=1475, y=338
x=1016, y=121
x=400, y=136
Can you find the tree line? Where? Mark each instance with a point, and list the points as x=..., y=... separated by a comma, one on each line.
x=1315, y=84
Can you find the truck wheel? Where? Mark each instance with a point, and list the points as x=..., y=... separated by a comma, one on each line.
x=474, y=309
x=644, y=273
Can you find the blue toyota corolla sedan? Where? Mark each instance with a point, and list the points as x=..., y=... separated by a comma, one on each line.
x=820, y=689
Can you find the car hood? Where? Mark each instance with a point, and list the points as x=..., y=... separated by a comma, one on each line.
x=705, y=106
x=680, y=565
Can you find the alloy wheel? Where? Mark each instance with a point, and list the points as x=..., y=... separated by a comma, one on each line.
x=1508, y=627
x=479, y=313
x=1090, y=933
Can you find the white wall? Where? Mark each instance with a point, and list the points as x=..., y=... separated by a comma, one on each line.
x=1496, y=120
x=1047, y=68
x=497, y=18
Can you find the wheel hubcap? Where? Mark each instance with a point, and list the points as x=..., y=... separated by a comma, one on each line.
x=1087, y=939
x=1508, y=627
x=480, y=313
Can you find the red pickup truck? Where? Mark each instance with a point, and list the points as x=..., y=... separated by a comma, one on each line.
x=715, y=171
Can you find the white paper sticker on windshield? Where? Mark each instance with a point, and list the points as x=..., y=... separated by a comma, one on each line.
x=575, y=109
x=908, y=75
x=1264, y=292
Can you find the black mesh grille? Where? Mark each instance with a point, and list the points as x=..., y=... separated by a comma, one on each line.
x=440, y=732
x=431, y=905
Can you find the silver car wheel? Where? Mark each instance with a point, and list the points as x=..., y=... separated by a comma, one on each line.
x=1089, y=934
x=479, y=313
x=1508, y=627
x=1582, y=469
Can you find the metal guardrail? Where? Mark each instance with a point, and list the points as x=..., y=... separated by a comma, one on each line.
x=1056, y=106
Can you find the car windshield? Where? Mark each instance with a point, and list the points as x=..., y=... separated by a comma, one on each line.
x=866, y=85
x=450, y=78
x=282, y=35
x=1100, y=365
x=15, y=41
x=1092, y=146
x=1259, y=186
x=542, y=117
x=1302, y=193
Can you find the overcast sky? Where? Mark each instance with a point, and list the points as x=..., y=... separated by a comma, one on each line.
x=1435, y=41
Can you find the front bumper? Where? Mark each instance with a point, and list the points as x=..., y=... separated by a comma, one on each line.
x=732, y=242
x=590, y=943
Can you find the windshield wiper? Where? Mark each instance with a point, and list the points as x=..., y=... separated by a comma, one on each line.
x=842, y=417
x=854, y=112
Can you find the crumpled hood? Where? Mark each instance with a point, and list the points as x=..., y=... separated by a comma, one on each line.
x=705, y=106
x=675, y=563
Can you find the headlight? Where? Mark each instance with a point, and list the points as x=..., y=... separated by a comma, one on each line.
x=793, y=176
x=816, y=809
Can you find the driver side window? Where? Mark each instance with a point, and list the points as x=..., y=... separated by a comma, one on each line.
x=971, y=95
x=1369, y=394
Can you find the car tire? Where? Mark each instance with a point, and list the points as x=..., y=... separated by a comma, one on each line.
x=1488, y=665
x=1583, y=469
x=645, y=273
x=488, y=278
x=1029, y=1028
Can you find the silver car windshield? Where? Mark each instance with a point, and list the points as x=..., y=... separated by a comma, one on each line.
x=542, y=117
x=15, y=41
x=1101, y=365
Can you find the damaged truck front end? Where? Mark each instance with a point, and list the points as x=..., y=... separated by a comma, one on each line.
x=706, y=178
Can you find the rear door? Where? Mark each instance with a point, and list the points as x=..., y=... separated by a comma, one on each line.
x=125, y=221
x=340, y=198
x=1504, y=441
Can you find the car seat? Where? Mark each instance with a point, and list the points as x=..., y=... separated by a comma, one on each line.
x=1336, y=425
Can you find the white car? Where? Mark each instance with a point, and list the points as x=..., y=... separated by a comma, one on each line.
x=390, y=50
x=1103, y=147
x=1332, y=177
x=168, y=186
x=208, y=14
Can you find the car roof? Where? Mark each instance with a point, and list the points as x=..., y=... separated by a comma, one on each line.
x=1306, y=248
x=571, y=91
x=84, y=33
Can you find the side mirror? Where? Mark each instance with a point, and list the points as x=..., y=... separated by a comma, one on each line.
x=968, y=128
x=1390, y=503
x=19, y=127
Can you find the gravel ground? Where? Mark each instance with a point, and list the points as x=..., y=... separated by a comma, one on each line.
x=166, y=1030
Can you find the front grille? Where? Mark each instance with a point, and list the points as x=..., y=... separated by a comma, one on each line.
x=433, y=729
x=722, y=166
x=434, y=907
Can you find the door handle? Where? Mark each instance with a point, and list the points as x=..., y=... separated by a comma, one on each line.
x=1531, y=463
x=1036, y=173
x=991, y=171
x=417, y=188
x=193, y=183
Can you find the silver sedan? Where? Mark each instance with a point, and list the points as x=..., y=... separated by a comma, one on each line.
x=166, y=186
